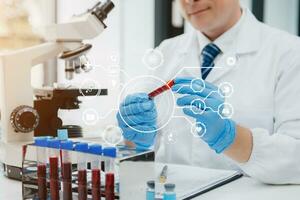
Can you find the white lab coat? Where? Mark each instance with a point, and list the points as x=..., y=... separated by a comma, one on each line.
x=266, y=81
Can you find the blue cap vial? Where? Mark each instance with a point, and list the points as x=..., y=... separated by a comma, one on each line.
x=95, y=149
x=110, y=152
x=169, y=193
x=169, y=187
x=82, y=147
x=62, y=134
x=67, y=145
x=54, y=143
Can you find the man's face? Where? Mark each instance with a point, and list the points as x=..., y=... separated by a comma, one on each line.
x=207, y=15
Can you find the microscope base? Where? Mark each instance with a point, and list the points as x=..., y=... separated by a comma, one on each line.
x=12, y=172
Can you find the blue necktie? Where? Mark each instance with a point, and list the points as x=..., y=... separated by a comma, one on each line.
x=209, y=53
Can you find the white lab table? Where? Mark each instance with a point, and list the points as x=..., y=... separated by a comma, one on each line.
x=10, y=189
x=242, y=189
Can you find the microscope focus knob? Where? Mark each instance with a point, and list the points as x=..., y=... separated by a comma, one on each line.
x=24, y=119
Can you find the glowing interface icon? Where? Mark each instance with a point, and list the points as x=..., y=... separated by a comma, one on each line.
x=198, y=129
x=153, y=58
x=171, y=139
x=226, y=110
x=231, y=60
x=90, y=117
x=225, y=89
x=89, y=88
x=197, y=85
x=198, y=106
x=112, y=135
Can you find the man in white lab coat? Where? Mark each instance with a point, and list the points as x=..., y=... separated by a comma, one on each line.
x=259, y=65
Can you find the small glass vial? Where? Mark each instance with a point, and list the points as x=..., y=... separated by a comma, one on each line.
x=150, y=192
x=169, y=193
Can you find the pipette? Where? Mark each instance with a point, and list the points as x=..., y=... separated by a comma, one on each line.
x=161, y=89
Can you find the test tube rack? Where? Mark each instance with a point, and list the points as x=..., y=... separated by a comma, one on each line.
x=30, y=184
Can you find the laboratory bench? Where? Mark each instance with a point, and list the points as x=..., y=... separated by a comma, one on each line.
x=248, y=189
x=241, y=189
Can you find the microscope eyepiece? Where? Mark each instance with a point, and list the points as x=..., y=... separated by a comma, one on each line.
x=103, y=10
x=107, y=7
x=75, y=60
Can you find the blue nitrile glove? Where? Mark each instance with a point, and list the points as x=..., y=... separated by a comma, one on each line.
x=220, y=132
x=137, y=118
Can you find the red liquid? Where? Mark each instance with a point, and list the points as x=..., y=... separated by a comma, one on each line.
x=82, y=185
x=67, y=181
x=161, y=89
x=96, y=184
x=110, y=186
x=41, y=181
x=54, y=181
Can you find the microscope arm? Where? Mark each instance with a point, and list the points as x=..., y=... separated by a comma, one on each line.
x=48, y=103
x=82, y=27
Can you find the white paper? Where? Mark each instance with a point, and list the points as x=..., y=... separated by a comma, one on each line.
x=189, y=180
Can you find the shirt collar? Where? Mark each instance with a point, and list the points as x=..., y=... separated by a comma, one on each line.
x=226, y=41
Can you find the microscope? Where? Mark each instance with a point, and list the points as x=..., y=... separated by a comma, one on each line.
x=26, y=112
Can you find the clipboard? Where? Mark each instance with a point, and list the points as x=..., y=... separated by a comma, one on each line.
x=235, y=177
x=190, y=181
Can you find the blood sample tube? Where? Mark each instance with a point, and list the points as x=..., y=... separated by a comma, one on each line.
x=110, y=154
x=161, y=89
x=110, y=186
x=54, y=155
x=82, y=149
x=96, y=151
x=67, y=147
x=41, y=147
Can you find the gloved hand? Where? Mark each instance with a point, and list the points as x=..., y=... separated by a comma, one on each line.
x=203, y=102
x=137, y=118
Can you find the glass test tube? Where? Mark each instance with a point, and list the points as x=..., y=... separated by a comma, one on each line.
x=41, y=146
x=82, y=149
x=67, y=147
x=111, y=154
x=54, y=155
x=96, y=150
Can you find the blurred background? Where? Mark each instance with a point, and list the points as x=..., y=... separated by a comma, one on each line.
x=134, y=27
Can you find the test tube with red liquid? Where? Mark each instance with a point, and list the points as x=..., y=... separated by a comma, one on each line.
x=41, y=147
x=67, y=147
x=82, y=150
x=54, y=164
x=96, y=152
x=161, y=89
x=110, y=154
